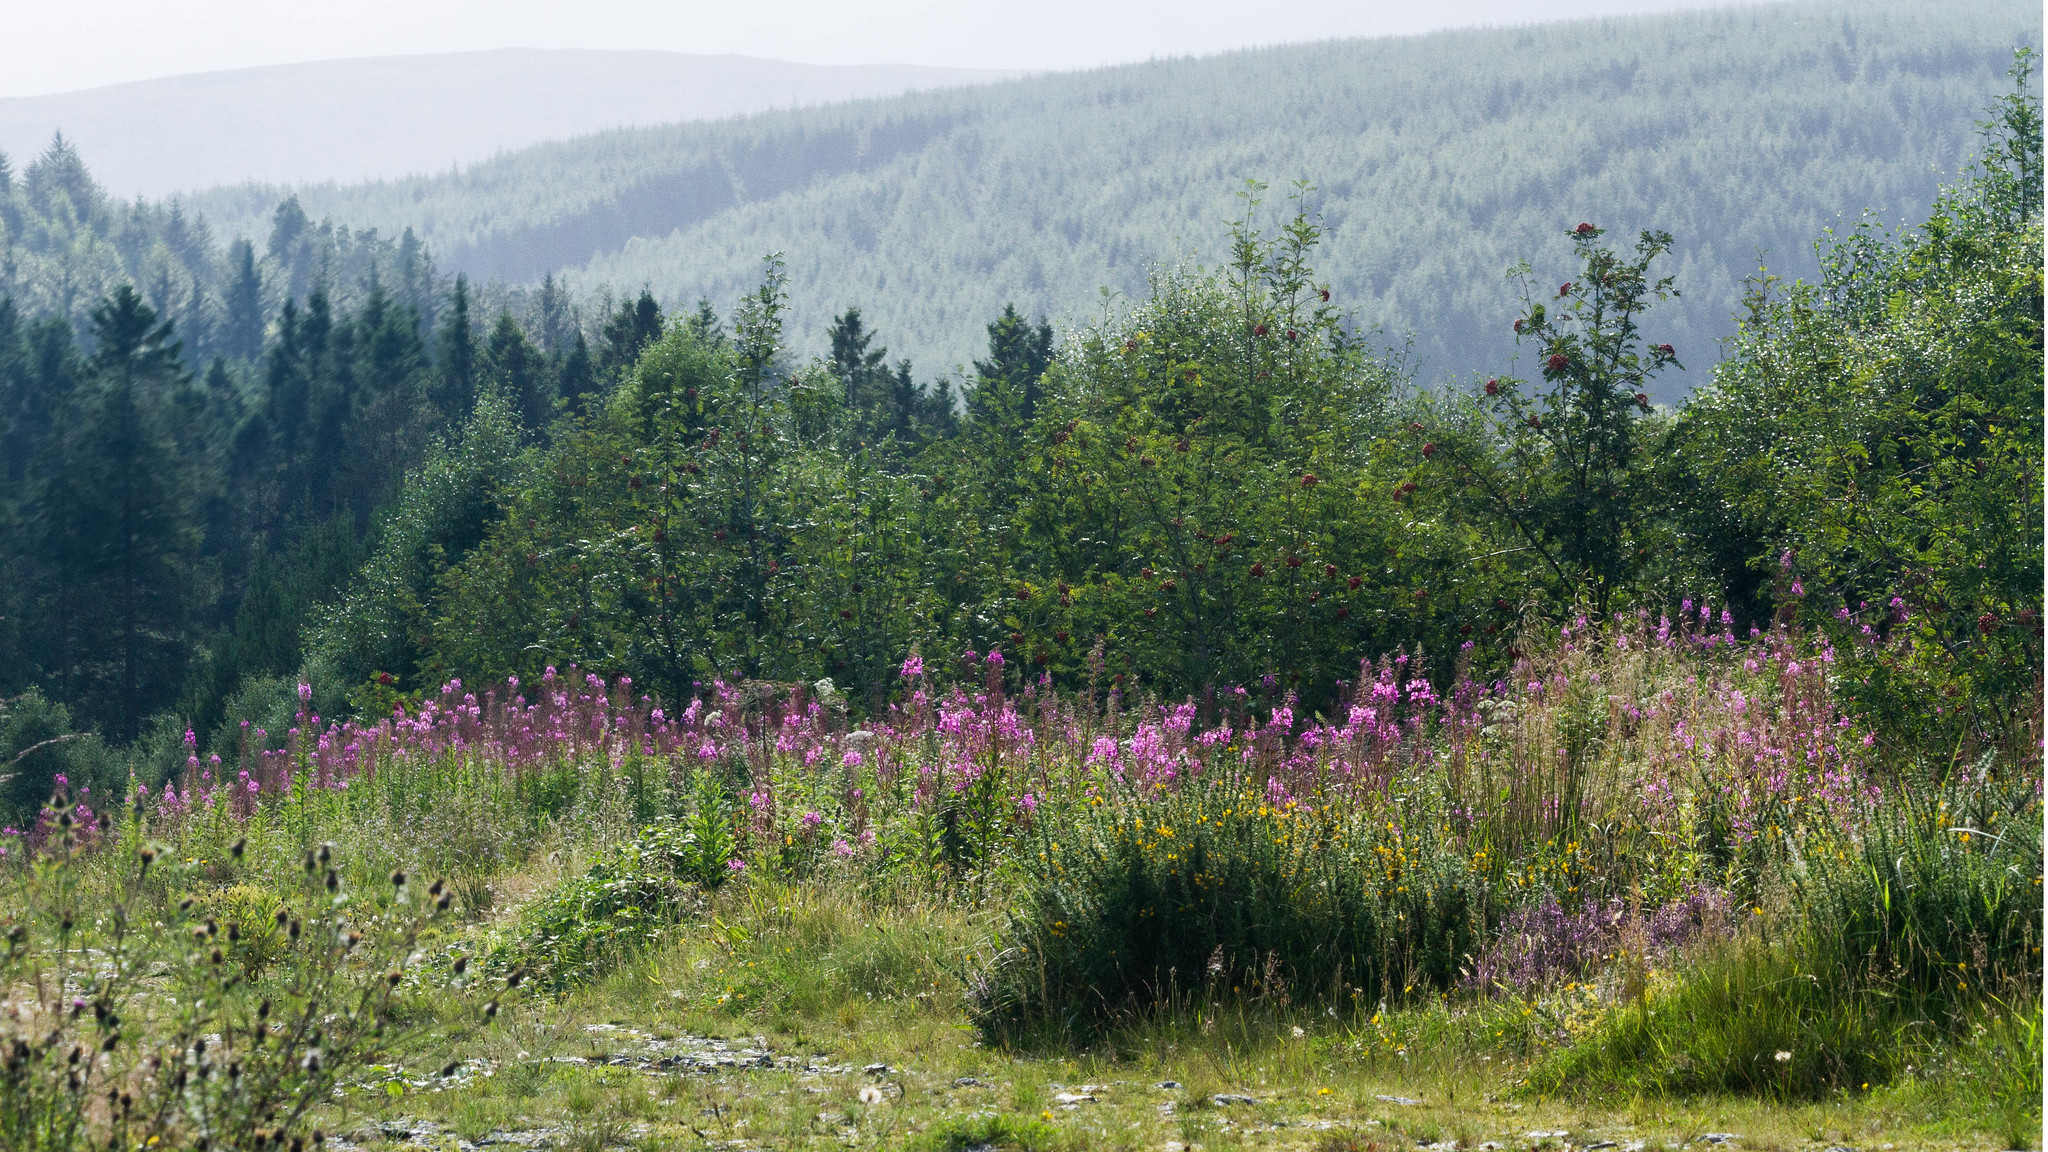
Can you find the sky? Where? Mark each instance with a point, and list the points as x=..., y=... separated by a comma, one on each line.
x=65, y=47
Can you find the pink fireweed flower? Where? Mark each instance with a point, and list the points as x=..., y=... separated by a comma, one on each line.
x=812, y=819
x=913, y=667
x=735, y=865
x=841, y=848
x=852, y=759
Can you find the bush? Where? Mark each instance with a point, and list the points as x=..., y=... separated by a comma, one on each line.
x=1915, y=936
x=1216, y=892
x=584, y=926
x=37, y=745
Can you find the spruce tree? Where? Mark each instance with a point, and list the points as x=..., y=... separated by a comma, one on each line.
x=629, y=330
x=520, y=372
x=578, y=382
x=242, y=335
x=131, y=538
x=455, y=380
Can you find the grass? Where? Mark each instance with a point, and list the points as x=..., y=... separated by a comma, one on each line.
x=842, y=984
x=1592, y=905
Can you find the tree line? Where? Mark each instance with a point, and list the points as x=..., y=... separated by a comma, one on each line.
x=1221, y=490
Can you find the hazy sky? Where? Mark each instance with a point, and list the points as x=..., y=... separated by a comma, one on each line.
x=62, y=47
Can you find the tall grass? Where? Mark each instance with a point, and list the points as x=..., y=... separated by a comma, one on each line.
x=1680, y=823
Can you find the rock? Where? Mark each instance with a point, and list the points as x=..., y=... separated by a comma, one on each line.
x=1719, y=1137
x=1540, y=1135
x=966, y=1082
x=1404, y=1101
x=876, y=1069
x=1224, y=1099
x=1489, y=1146
x=1074, y=1098
x=1838, y=1148
x=1599, y=1144
x=1169, y=1085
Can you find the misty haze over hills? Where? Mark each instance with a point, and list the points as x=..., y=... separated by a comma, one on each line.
x=378, y=119
x=1438, y=162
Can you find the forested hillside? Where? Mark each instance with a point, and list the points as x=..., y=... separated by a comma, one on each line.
x=1440, y=160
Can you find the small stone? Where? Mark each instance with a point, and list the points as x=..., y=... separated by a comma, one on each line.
x=1719, y=1137
x=1403, y=1101
x=876, y=1069
x=1838, y=1148
x=1599, y=1144
x=1074, y=1098
x=1224, y=1099
x=966, y=1082
x=1169, y=1085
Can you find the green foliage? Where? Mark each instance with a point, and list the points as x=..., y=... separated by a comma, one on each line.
x=37, y=745
x=585, y=925
x=1563, y=466
x=265, y=1006
x=1916, y=936
x=1217, y=895
x=379, y=623
x=1879, y=436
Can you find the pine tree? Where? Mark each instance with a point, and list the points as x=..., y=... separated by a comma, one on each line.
x=860, y=371
x=1007, y=385
x=556, y=315
x=627, y=332
x=705, y=325
x=290, y=246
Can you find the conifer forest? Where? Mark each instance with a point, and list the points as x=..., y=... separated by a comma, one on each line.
x=1512, y=620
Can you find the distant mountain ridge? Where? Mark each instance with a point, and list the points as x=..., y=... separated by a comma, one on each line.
x=1439, y=161
x=388, y=117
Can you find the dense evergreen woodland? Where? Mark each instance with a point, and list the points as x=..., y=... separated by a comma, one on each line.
x=1439, y=160
x=229, y=474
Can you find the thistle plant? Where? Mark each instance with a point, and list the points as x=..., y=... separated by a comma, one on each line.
x=124, y=1031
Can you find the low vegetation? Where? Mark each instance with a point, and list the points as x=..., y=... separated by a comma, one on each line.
x=1206, y=739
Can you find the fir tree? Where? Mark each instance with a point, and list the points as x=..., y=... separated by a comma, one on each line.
x=520, y=372
x=629, y=330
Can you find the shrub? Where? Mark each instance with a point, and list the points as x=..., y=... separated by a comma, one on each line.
x=1220, y=892
x=582, y=927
